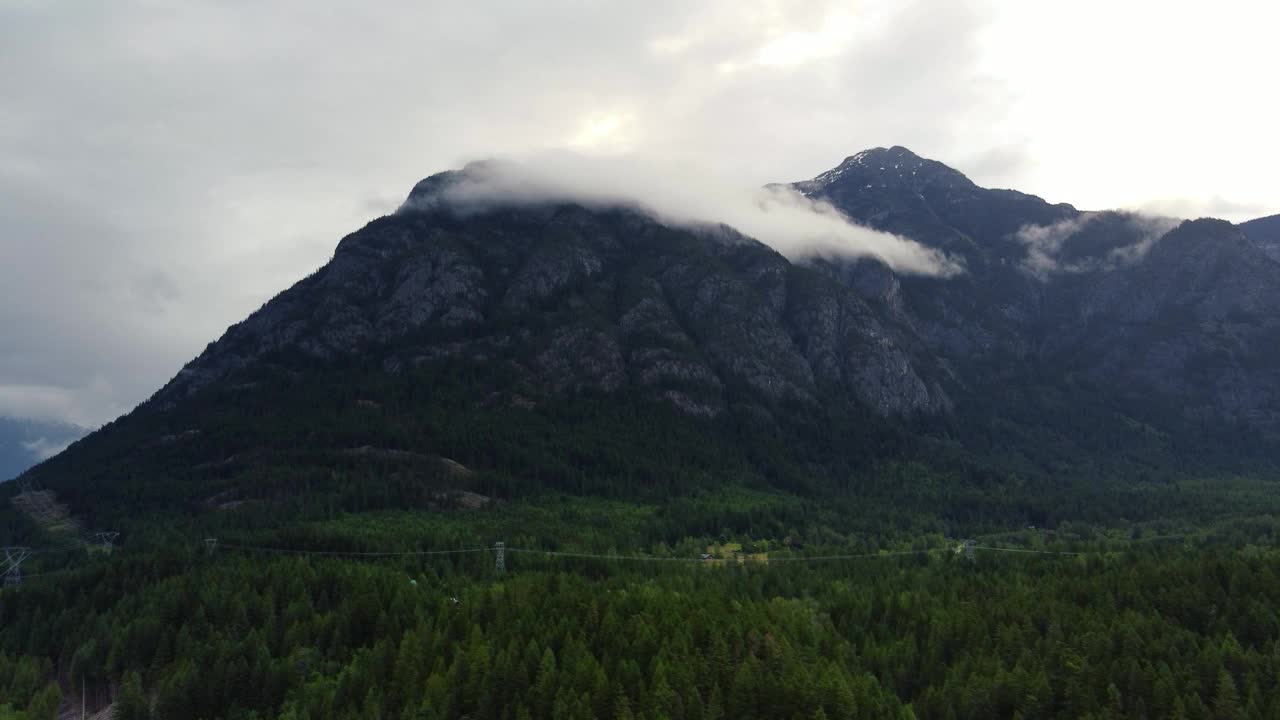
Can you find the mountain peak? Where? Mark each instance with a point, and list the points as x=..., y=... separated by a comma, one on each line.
x=897, y=153
x=434, y=185
x=891, y=167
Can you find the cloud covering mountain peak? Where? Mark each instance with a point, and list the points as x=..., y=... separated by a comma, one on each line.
x=777, y=215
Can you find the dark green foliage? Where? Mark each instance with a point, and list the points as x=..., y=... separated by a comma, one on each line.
x=1148, y=632
x=1152, y=631
x=25, y=684
x=334, y=443
x=131, y=704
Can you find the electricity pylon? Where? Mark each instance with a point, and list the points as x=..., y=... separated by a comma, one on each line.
x=13, y=557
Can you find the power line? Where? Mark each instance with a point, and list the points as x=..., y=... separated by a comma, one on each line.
x=47, y=573
x=212, y=543
x=854, y=556
x=1023, y=550
x=499, y=550
x=345, y=553
x=14, y=576
x=558, y=553
x=742, y=560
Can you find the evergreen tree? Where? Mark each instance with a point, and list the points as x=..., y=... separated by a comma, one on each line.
x=1226, y=699
x=131, y=703
x=44, y=706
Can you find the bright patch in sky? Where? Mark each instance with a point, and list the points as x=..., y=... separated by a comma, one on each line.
x=794, y=48
x=601, y=133
x=1164, y=106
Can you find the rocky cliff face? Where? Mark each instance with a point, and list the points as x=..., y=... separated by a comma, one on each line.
x=545, y=345
x=1149, y=315
x=1141, y=319
x=559, y=299
x=1140, y=312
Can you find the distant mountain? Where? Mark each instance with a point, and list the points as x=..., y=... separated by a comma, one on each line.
x=599, y=350
x=1265, y=233
x=24, y=443
x=1170, y=323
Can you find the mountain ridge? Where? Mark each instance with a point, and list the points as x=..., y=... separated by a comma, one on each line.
x=1072, y=340
x=1265, y=233
x=1007, y=305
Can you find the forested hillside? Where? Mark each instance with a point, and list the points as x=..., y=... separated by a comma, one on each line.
x=1144, y=624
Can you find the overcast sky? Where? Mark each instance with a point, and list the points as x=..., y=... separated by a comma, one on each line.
x=166, y=167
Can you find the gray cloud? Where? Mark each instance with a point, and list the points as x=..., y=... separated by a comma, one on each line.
x=1045, y=244
x=23, y=443
x=168, y=167
x=79, y=403
x=778, y=216
x=1211, y=206
x=43, y=448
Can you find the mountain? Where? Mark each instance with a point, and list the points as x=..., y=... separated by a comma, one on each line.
x=599, y=350
x=24, y=443
x=547, y=460
x=567, y=299
x=1265, y=233
x=1169, y=323
x=546, y=347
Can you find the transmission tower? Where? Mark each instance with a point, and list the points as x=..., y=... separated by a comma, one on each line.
x=969, y=547
x=13, y=557
x=500, y=557
x=106, y=539
x=211, y=544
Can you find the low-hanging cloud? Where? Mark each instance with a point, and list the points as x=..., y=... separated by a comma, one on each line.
x=778, y=216
x=1045, y=244
x=47, y=403
x=43, y=448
